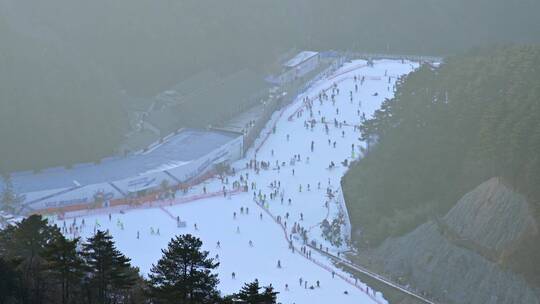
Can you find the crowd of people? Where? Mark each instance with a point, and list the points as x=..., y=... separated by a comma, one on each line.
x=297, y=222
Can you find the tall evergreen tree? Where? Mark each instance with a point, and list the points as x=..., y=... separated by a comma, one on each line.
x=65, y=266
x=250, y=293
x=184, y=273
x=269, y=295
x=39, y=265
x=24, y=244
x=110, y=273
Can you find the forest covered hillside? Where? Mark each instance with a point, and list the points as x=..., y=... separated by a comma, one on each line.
x=446, y=131
x=67, y=67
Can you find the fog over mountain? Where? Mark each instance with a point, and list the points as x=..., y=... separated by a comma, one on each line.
x=64, y=58
x=285, y=151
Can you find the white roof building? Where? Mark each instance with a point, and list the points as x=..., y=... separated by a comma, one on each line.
x=297, y=67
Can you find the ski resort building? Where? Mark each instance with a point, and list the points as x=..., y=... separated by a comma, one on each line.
x=206, y=98
x=176, y=161
x=298, y=66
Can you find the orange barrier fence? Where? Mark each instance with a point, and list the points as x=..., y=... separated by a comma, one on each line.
x=118, y=204
x=147, y=205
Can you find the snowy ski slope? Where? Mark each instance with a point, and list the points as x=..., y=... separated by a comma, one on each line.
x=214, y=216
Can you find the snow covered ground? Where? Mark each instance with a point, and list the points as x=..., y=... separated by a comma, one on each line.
x=214, y=217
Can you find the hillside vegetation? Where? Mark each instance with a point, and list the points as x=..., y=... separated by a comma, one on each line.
x=446, y=131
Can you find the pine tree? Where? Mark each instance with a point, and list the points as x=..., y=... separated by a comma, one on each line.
x=64, y=265
x=269, y=296
x=9, y=200
x=25, y=244
x=250, y=293
x=183, y=274
x=110, y=273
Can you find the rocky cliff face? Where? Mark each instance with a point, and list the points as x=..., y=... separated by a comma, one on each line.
x=460, y=258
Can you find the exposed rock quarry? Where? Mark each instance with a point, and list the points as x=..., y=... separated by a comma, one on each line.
x=459, y=258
